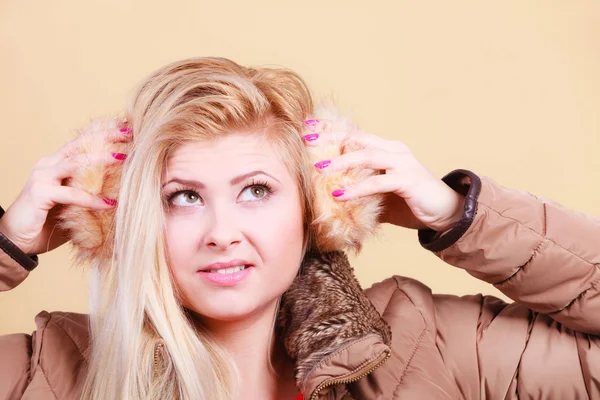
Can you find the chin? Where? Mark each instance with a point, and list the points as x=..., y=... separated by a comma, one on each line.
x=230, y=309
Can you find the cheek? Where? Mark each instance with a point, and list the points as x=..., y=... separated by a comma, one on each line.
x=279, y=234
x=182, y=249
x=180, y=242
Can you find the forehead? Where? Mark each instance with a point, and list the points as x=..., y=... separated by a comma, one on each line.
x=229, y=154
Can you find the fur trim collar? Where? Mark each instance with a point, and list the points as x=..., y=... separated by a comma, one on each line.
x=324, y=311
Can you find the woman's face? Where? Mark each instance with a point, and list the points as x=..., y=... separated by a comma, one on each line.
x=234, y=227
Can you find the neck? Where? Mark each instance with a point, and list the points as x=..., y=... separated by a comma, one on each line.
x=265, y=370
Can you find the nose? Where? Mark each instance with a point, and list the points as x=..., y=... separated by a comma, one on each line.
x=222, y=231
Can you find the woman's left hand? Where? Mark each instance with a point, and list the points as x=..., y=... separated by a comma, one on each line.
x=414, y=197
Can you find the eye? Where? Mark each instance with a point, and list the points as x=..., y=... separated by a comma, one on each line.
x=184, y=198
x=255, y=192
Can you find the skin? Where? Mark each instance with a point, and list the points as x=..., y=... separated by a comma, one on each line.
x=226, y=220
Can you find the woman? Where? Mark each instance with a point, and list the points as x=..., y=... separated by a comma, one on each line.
x=222, y=226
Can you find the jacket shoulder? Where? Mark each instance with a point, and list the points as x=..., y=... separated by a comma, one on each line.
x=406, y=293
x=408, y=307
x=61, y=330
x=47, y=363
x=60, y=351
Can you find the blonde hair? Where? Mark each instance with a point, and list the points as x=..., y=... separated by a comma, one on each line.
x=144, y=343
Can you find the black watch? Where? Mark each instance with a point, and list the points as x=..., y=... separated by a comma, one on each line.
x=27, y=262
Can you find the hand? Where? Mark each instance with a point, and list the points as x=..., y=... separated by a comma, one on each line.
x=414, y=197
x=31, y=221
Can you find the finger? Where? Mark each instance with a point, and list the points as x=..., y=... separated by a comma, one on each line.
x=353, y=137
x=376, y=184
x=66, y=168
x=72, y=196
x=315, y=125
x=111, y=135
x=321, y=128
x=317, y=132
x=354, y=140
x=75, y=146
x=367, y=158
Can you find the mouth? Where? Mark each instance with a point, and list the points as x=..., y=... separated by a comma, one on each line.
x=229, y=267
x=225, y=271
x=227, y=274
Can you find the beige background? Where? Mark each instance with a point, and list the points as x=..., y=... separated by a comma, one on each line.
x=509, y=89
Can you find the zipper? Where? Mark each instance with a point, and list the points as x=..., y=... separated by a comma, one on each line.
x=355, y=375
x=157, y=350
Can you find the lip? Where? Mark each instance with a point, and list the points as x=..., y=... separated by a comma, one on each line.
x=226, y=279
x=222, y=265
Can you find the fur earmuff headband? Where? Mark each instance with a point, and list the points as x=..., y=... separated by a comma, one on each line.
x=337, y=225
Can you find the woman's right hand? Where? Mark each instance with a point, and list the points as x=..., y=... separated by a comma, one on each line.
x=31, y=221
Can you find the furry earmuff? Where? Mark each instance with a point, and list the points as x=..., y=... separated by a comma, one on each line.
x=337, y=225
x=91, y=231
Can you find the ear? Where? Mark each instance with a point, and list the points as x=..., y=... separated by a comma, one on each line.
x=340, y=225
x=92, y=231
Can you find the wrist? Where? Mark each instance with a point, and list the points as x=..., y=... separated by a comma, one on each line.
x=28, y=262
x=467, y=187
x=7, y=232
x=456, y=206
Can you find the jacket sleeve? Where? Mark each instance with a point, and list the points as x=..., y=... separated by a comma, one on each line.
x=20, y=359
x=538, y=253
x=15, y=360
x=11, y=273
x=495, y=350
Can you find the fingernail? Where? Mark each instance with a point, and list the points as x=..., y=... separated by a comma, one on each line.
x=323, y=164
x=311, y=122
x=338, y=193
x=119, y=156
x=110, y=202
x=125, y=131
x=311, y=137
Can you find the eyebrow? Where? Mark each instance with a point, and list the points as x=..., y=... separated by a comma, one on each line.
x=234, y=181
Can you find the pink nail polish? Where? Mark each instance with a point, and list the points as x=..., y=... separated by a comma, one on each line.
x=119, y=156
x=311, y=137
x=311, y=122
x=323, y=164
x=110, y=202
x=126, y=131
x=338, y=193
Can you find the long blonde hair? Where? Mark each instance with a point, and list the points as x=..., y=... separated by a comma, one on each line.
x=144, y=343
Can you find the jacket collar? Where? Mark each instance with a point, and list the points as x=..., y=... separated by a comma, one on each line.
x=329, y=327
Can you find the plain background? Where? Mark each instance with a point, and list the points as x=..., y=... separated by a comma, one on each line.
x=508, y=89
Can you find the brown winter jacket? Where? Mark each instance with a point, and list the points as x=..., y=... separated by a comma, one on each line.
x=396, y=340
